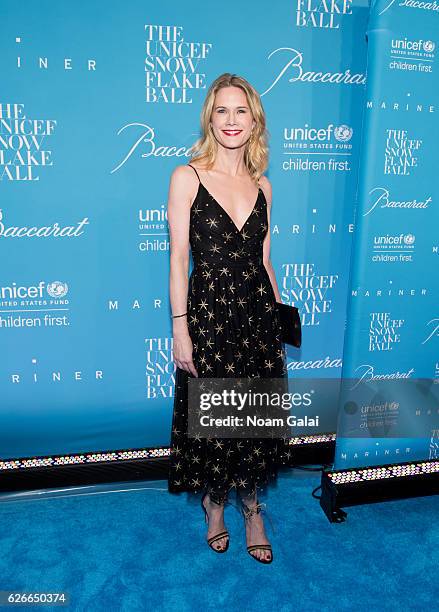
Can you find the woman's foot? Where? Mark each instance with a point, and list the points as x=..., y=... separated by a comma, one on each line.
x=255, y=533
x=215, y=514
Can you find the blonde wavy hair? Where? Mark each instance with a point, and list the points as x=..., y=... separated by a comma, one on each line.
x=256, y=149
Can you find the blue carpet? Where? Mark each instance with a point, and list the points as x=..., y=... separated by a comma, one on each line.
x=133, y=546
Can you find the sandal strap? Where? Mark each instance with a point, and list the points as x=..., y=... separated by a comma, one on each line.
x=218, y=536
x=257, y=509
x=259, y=546
x=248, y=512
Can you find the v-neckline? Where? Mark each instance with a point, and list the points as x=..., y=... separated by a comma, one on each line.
x=227, y=214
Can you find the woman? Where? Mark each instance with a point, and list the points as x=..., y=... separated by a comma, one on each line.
x=225, y=322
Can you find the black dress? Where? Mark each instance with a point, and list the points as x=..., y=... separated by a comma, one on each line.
x=234, y=328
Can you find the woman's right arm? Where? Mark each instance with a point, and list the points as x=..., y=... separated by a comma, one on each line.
x=182, y=187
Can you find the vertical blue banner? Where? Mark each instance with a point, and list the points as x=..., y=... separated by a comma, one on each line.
x=393, y=316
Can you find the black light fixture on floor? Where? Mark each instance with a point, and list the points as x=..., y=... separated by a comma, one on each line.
x=376, y=484
x=83, y=469
x=315, y=449
x=131, y=464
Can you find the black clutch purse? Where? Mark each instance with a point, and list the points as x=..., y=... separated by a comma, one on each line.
x=291, y=328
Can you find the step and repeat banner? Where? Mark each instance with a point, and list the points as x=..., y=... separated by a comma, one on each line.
x=389, y=403
x=98, y=105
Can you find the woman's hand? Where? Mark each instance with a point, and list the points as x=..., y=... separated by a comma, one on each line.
x=183, y=352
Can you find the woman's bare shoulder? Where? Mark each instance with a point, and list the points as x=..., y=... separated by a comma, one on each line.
x=183, y=184
x=181, y=171
x=183, y=176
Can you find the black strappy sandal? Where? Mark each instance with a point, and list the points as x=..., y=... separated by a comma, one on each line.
x=247, y=513
x=218, y=536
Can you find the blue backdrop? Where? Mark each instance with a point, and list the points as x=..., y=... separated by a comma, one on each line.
x=97, y=108
x=391, y=350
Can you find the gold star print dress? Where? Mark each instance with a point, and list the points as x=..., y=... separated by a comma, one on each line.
x=235, y=332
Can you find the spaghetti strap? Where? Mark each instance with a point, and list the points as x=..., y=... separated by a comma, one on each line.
x=195, y=172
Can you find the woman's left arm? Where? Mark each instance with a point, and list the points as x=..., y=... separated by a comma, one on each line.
x=266, y=187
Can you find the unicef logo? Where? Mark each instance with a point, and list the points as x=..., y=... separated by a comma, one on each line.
x=429, y=46
x=409, y=239
x=343, y=133
x=57, y=289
